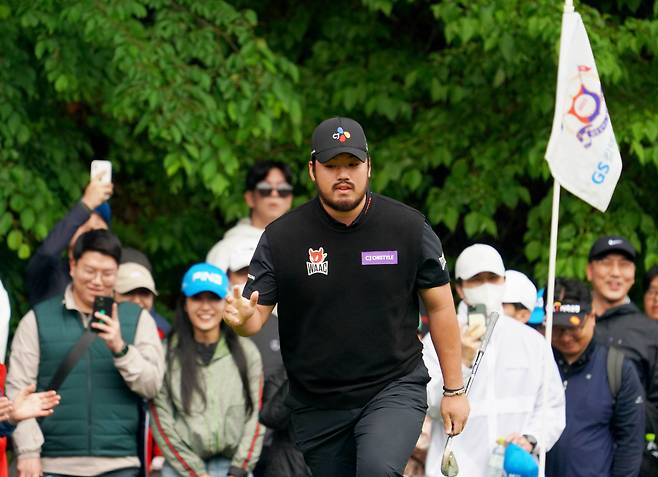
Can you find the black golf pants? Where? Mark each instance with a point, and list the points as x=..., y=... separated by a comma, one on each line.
x=375, y=440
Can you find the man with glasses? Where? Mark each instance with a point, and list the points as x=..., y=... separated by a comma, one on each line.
x=269, y=196
x=603, y=435
x=611, y=270
x=94, y=430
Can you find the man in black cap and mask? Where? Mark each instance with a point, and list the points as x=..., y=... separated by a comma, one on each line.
x=611, y=270
x=346, y=269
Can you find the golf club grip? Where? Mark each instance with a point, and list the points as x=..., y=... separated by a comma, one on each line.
x=493, y=319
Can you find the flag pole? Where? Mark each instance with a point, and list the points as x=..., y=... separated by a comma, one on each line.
x=550, y=295
x=550, y=291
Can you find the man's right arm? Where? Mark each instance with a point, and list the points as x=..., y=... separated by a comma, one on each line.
x=59, y=237
x=46, y=259
x=248, y=313
x=23, y=371
x=628, y=424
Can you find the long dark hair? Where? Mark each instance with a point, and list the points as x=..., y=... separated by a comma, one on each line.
x=182, y=346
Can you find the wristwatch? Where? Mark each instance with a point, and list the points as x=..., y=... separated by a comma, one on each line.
x=122, y=353
x=532, y=440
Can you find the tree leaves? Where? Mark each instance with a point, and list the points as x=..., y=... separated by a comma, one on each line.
x=456, y=99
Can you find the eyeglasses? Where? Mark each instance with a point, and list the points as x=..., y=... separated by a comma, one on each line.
x=265, y=189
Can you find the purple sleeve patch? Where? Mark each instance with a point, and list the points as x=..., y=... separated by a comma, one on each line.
x=385, y=257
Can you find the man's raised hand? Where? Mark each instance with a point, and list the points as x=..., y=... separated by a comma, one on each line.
x=97, y=192
x=238, y=309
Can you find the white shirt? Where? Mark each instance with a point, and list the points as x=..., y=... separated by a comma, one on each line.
x=5, y=314
x=220, y=254
x=505, y=397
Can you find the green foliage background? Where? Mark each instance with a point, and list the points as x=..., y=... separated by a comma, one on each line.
x=182, y=96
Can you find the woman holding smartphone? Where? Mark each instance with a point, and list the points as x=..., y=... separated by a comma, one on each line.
x=205, y=418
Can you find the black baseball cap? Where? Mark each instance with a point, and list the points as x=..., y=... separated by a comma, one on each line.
x=611, y=244
x=336, y=135
x=570, y=314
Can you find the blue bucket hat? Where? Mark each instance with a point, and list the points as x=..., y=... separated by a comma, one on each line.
x=204, y=277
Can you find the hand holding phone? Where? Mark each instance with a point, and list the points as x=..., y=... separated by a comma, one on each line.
x=108, y=326
x=477, y=316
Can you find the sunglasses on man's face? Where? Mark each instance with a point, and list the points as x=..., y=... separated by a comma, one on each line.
x=265, y=189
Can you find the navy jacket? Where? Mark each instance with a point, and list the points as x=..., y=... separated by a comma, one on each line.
x=604, y=436
x=628, y=329
x=47, y=271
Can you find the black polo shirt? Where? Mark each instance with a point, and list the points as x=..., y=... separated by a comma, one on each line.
x=347, y=296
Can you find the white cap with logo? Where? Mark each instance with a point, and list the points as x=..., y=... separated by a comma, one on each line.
x=519, y=289
x=478, y=258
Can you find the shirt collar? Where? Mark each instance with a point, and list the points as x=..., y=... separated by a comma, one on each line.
x=356, y=221
x=69, y=300
x=577, y=365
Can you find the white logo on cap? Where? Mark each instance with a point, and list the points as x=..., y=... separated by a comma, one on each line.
x=216, y=278
x=612, y=242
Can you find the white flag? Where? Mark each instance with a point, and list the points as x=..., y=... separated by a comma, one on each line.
x=582, y=152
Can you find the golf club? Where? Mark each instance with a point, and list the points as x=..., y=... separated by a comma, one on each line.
x=449, y=466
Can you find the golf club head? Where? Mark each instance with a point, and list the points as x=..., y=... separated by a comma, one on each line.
x=449, y=466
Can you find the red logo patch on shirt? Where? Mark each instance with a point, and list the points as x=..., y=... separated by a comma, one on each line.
x=317, y=262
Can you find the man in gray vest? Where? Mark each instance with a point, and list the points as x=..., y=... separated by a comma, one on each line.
x=94, y=430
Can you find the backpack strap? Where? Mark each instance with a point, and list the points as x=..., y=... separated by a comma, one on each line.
x=615, y=366
x=71, y=359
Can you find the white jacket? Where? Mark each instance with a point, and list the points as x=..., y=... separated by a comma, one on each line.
x=505, y=397
x=236, y=236
x=5, y=315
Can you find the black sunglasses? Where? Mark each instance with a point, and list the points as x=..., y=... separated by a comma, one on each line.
x=265, y=190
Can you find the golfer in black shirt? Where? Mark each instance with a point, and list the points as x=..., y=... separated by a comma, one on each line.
x=346, y=270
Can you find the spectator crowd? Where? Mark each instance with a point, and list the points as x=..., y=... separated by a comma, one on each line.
x=120, y=391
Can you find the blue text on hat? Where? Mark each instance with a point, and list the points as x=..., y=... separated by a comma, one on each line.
x=204, y=277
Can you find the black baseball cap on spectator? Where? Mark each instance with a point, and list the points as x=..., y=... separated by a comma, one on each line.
x=570, y=314
x=337, y=135
x=611, y=244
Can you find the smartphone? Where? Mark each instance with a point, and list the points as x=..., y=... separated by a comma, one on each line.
x=102, y=167
x=103, y=305
x=477, y=315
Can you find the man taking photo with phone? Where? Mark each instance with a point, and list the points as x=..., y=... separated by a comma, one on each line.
x=94, y=429
x=47, y=271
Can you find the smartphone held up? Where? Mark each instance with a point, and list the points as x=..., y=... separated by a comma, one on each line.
x=102, y=305
x=102, y=170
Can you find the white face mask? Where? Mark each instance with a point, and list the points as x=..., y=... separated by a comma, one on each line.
x=490, y=295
